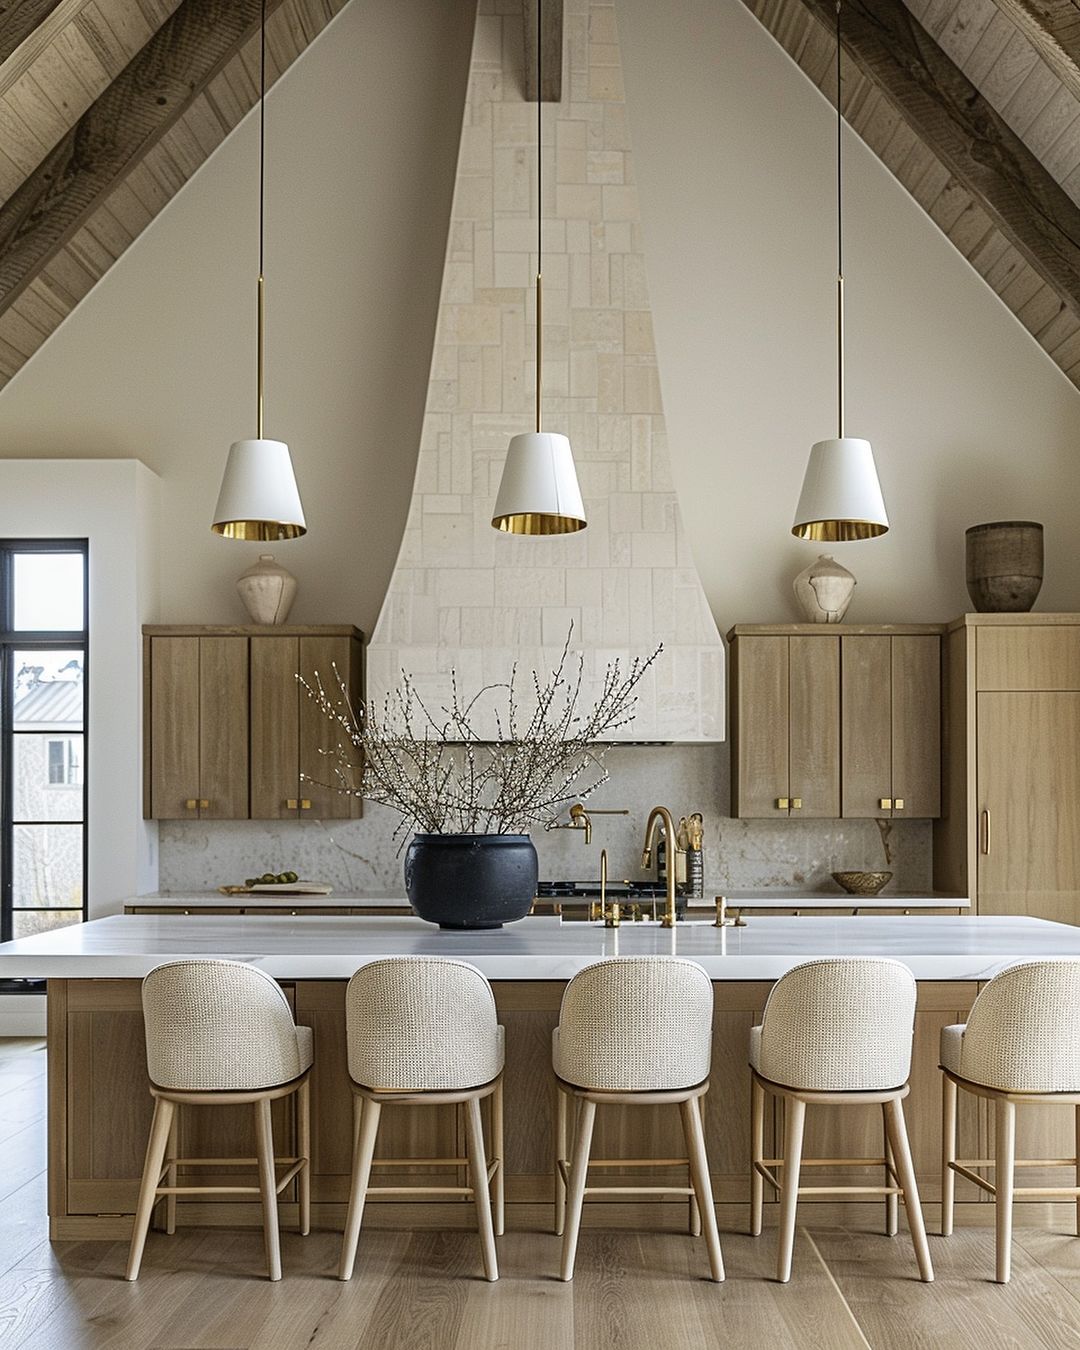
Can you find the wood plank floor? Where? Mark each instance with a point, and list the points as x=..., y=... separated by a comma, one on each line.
x=201, y=1289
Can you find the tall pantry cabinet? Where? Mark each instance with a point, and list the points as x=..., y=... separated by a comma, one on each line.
x=1009, y=835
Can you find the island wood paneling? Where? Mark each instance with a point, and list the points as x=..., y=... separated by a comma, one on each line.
x=100, y=1115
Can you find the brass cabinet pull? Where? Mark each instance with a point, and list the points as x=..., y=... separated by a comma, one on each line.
x=204, y=805
x=984, y=831
x=191, y=804
x=783, y=803
x=796, y=803
x=898, y=804
x=305, y=804
x=291, y=803
x=885, y=803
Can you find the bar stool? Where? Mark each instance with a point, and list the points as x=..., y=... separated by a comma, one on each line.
x=423, y=1031
x=221, y=1033
x=633, y=1031
x=1020, y=1046
x=835, y=1032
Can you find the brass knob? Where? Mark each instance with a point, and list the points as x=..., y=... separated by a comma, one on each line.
x=796, y=803
x=885, y=803
x=898, y=804
x=783, y=803
x=291, y=803
x=305, y=804
x=204, y=805
x=191, y=804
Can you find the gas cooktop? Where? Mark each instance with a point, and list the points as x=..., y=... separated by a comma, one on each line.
x=562, y=890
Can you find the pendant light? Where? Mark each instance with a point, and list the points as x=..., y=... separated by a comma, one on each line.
x=841, y=496
x=539, y=492
x=259, y=497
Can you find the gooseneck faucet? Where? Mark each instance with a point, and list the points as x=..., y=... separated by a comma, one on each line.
x=658, y=815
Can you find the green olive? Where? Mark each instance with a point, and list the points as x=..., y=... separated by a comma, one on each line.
x=250, y=882
x=267, y=879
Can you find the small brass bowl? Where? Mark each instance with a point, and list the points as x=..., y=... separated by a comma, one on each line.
x=862, y=883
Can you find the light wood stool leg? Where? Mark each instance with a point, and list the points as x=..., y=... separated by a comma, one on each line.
x=898, y=1138
x=303, y=1135
x=794, y=1120
x=170, y=1176
x=892, y=1202
x=498, y=1155
x=1005, y=1156
x=699, y=1170
x=576, y=1197
x=561, y=1155
x=155, y=1156
x=1077, y=1146
x=264, y=1148
x=948, y=1154
x=757, y=1154
x=478, y=1166
x=694, y=1217
x=365, y=1129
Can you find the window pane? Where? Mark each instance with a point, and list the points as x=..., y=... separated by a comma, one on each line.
x=48, y=777
x=48, y=866
x=48, y=591
x=27, y=922
x=48, y=693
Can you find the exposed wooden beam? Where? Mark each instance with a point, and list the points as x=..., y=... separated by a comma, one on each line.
x=1053, y=29
x=544, y=40
x=19, y=19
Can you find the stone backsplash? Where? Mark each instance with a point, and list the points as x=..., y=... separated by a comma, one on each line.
x=361, y=856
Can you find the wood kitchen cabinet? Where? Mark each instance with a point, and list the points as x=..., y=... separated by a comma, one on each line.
x=890, y=715
x=228, y=728
x=1010, y=832
x=832, y=721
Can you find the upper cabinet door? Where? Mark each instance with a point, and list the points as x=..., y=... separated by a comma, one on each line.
x=760, y=786
x=866, y=714
x=333, y=660
x=814, y=726
x=916, y=726
x=276, y=790
x=172, y=727
x=223, y=728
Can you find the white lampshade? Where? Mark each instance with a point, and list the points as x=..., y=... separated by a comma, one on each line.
x=841, y=496
x=539, y=491
x=259, y=498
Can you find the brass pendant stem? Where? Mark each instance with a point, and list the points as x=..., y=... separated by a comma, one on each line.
x=539, y=344
x=840, y=357
x=259, y=354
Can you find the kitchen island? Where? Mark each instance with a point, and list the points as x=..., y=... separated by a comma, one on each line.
x=99, y=1106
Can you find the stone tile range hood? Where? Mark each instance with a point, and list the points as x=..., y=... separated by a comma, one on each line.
x=464, y=596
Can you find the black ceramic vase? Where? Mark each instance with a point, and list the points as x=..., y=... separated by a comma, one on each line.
x=471, y=880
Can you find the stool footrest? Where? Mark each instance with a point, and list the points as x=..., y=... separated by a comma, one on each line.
x=638, y=1190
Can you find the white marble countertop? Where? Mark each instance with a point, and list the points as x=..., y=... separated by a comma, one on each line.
x=935, y=947
x=795, y=899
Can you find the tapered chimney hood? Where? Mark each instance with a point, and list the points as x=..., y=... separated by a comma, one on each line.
x=469, y=598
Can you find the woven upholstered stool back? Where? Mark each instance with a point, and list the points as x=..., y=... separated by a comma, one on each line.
x=422, y=1024
x=1023, y=1031
x=839, y=1026
x=636, y=1024
x=218, y=1026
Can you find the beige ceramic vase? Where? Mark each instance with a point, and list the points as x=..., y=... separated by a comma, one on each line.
x=824, y=590
x=267, y=590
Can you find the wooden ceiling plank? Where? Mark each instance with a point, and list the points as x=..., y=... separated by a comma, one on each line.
x=1063, y=325
x=1052, y=27
x=548, y=55
x=1040, y=310
x=962, y=33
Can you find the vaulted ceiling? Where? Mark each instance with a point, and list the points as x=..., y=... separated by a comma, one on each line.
x=107, y=107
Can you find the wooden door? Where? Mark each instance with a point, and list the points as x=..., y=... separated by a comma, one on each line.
x=814, y=726
x=275, y=728
x=916, y=726
x=332, y=660
x=223, y=728
x=172, y=728
x=761, y=727
x=1028, y=776
x=866, y=718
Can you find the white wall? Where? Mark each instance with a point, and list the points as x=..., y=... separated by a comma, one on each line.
x=158, y=362
x=969, y=419
x=112, y=504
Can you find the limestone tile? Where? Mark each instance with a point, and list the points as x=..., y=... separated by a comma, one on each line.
x=569, y=134
x=436, y=503
x=652, y=550
x=599, y=281
x=612, y=236
x=458, y=282
x=517, y=234
x=578, y=237
x=580, y=281
x=467, y=587
x=617, y=282
x=584, y=589
x=621, y=549
x=460, y=241
x=583, y=374
x=483, y=259
x=609, y=385
x=556, y=284
x=603, y=53
x=513, y=269
x=556, y=622
x=514, y=124
x=449, y=626
x=513, y=39
x=490, y=379
x=580, y=201
x=512, y=166
x=616, y=127
x=642, y=385
x=572, y=166
x=487, y=42
x=470, y=323
x=599, y=328
x=473, y=198
x=638, y=332
x=528, y=586
x=444, y=362
x=637, y=292
x=604, y=166
x=619, y=202
x=442, y=395
x=602, y=27
x=658, y=513
x=625, y=511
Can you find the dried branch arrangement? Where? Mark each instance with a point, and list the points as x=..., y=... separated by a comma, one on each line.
x=442, y=777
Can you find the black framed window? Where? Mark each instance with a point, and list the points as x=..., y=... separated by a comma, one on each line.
x=43, y=734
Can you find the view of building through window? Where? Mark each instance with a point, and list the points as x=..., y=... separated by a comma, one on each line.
x=42, y=757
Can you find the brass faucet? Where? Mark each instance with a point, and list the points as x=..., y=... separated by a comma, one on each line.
x=657, y=815
x=612, y=916
x=580, y=819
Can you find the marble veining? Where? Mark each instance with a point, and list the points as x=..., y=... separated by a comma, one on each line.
x=974, y=947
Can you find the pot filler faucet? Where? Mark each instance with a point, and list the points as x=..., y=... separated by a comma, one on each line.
x=580, y=819
x=661, y=815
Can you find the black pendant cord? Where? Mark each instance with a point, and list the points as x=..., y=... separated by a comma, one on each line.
x=259, y=357
x=539, y=202
x=839, y=236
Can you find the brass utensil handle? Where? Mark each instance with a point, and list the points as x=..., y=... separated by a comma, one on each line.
x=984, y=830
